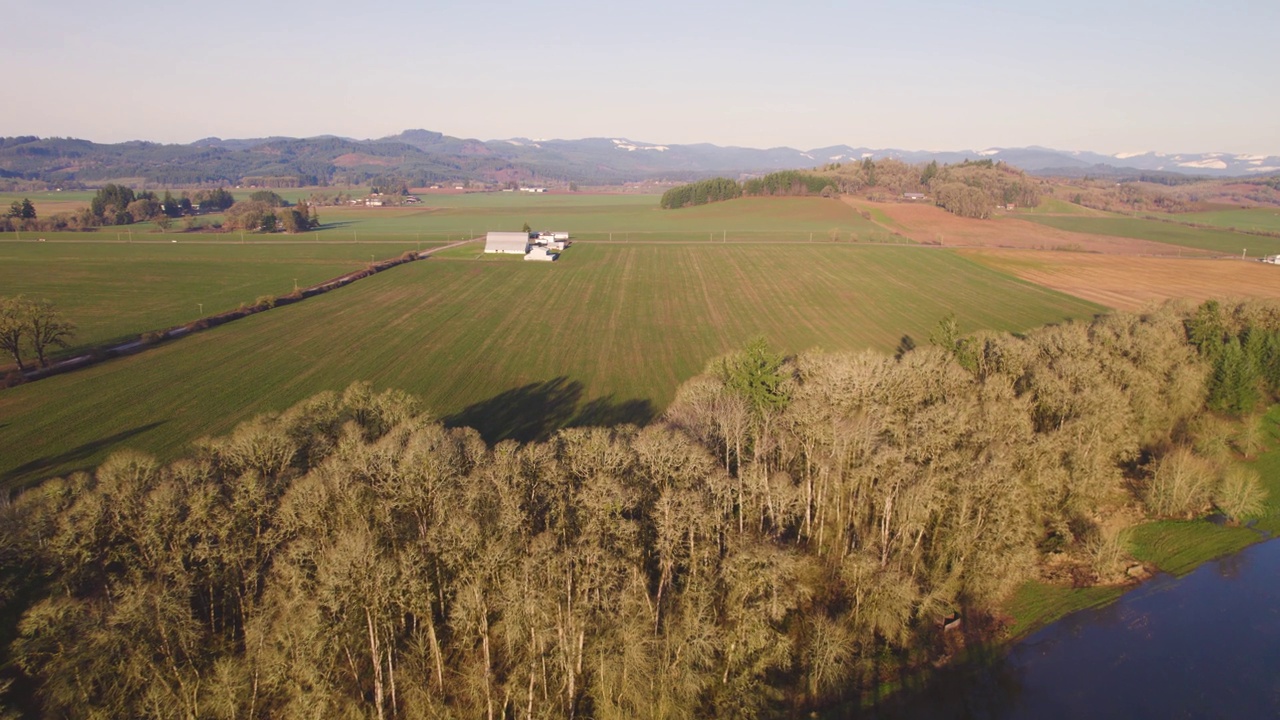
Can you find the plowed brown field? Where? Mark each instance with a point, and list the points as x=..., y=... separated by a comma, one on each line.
x=1132, y=282
x=929, y=224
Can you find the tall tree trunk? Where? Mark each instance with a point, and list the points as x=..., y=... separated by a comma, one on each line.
x=435, y=650
x=488, y=662
x=376, y=655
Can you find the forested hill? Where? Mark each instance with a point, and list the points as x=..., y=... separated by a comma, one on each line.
x=426, y=157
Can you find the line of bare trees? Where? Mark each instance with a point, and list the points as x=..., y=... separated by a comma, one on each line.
x=793, y=529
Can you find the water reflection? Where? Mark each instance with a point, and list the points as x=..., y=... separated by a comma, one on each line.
x=1204, y=645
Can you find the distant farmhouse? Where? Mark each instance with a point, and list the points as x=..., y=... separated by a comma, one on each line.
x=534, y=246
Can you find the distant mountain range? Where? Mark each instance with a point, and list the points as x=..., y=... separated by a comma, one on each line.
x=423, y=157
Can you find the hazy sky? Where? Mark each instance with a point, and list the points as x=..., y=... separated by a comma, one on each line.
x=1113, y=76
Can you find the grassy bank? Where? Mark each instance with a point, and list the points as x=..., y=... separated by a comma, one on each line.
x=1174, y=546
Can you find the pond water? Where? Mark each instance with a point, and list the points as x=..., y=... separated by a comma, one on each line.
x=1206, y=645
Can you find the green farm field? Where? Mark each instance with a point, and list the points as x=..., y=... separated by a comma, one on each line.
x=514, y=348
x=1221, y=241
x=616, y=217
x=449, y=217
x=1050, y=205
x=1264, y=219
x=114, y=291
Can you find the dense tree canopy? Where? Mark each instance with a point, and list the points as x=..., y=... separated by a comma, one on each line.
x=974, y=189
x=969, y=189
x=213, y=200
x=269, y=198
x=111, y=203
x=787, y=182
x=22, y=210
x=788, y=529
x=701, y=193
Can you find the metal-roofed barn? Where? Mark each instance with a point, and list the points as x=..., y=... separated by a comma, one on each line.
x=507, y=242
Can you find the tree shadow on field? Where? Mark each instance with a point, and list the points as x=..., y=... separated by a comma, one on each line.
x=41, y=468
x=606, y=412
x=535, y=411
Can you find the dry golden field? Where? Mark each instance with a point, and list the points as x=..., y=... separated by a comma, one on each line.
x=926, y=223
x=1129, y=282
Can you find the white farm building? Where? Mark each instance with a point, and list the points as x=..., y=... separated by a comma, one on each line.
x=540, y=253
x=507, y=242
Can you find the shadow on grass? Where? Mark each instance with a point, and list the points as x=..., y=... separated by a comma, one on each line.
x=332, y=225
x=535, y=411
x=88, y=347
x=905, y=345
x=41, y=467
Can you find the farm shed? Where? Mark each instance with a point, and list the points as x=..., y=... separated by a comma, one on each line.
x=507, y=242
x=540, y=253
